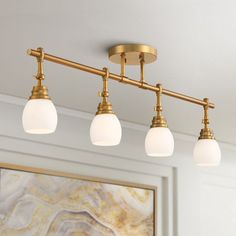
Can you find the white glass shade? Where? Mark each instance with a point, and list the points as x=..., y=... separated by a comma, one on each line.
x=39, y=117
x=159, y=142
x=105, y=130
x=207, y=152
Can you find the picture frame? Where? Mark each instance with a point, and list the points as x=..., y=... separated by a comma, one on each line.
x=124, y=192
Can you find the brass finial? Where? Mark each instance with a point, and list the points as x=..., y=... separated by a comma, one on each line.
x=206, y=132
x=40, y=91
x=105, y=107
x=159, y=120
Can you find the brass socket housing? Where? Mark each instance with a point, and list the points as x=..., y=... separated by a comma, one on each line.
x=39, y=92
x=206, y=133
x=159, y=121
x=104, y=107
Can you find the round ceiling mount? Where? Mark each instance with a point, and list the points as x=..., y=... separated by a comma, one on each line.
x=132, y=52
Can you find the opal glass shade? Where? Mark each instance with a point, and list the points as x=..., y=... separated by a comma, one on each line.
x=159, y=142
x=39, y=117
x=207, y=152
x=105, y=130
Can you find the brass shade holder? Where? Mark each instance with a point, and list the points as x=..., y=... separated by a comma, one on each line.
x=206, y=132
x=159, y=120
x=105, y=107
x=40, y=91
x=123, y=52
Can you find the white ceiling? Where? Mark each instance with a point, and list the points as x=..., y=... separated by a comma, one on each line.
x=196, y=41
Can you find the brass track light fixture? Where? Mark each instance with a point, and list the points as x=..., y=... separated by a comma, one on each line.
x=40, y=117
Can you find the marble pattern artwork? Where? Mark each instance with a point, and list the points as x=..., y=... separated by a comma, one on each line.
x=43, y=205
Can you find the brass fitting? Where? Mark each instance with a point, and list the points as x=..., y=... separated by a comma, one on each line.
x=142, y=62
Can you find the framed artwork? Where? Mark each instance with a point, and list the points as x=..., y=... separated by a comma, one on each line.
x=38, y=202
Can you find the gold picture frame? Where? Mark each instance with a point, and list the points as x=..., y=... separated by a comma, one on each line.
x=106, y=181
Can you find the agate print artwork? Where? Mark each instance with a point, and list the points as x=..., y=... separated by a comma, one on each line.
x=39, y=204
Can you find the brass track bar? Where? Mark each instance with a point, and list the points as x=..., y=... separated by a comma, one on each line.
x=122, y=79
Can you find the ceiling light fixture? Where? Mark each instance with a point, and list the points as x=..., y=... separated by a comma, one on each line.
x=105, y=129
x=159, y=141
x=206, y=151
x=40, y=116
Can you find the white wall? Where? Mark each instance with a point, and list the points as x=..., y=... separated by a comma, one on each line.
x=191, y=201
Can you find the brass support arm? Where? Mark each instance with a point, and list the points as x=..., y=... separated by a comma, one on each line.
x=105, y=93
x=159, y=104
x=142, y=62
x=118, y=78
x=205, y=120
x=40, y=75
x=123, y=62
